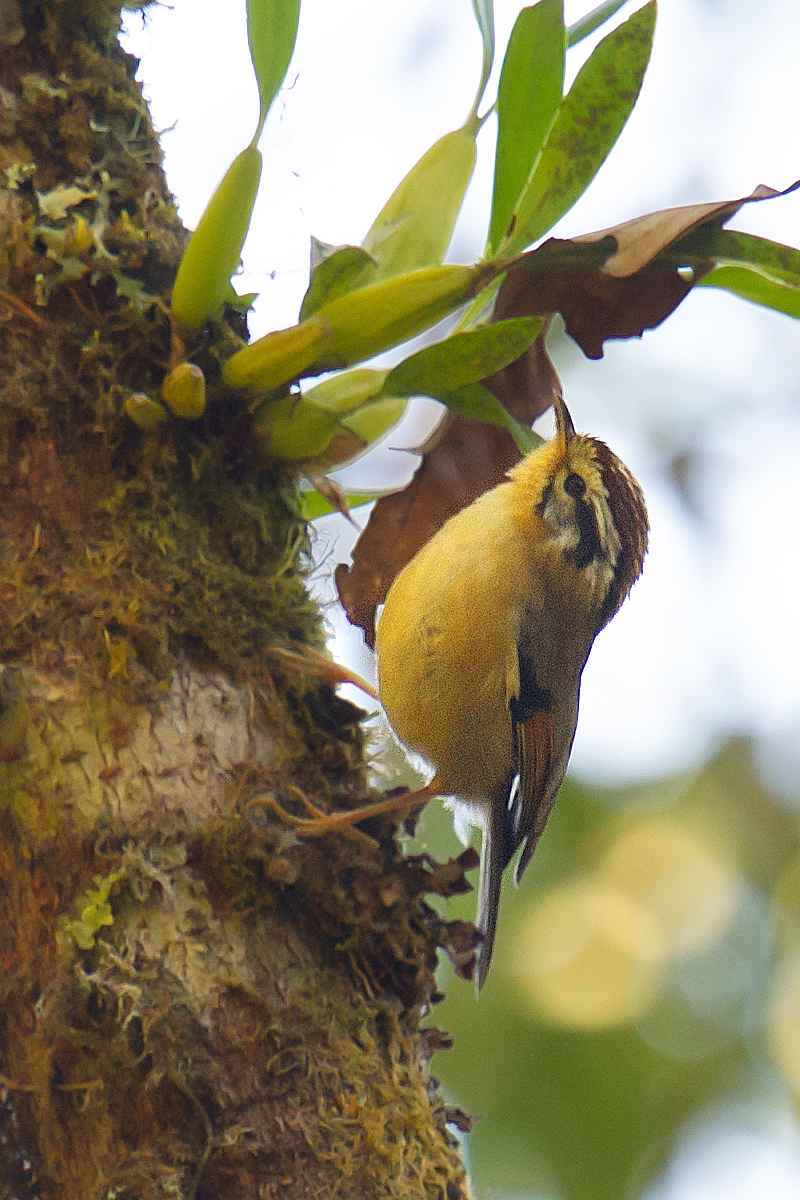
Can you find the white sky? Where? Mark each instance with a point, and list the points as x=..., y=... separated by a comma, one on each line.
x=709, y=644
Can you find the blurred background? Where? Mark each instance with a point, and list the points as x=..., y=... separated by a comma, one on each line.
x=639, y=1035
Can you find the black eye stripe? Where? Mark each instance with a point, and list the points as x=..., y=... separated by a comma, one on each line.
x=547, y=496
x=575, y=485
x=588, y=547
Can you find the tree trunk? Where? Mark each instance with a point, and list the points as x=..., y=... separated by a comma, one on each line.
x=195, y=1002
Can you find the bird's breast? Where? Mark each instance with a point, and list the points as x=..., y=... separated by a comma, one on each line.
x=444, y=638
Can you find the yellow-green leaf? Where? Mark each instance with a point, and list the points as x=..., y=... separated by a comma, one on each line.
x=215, y=247
x=414, y=227
x=292, y=428
x=279, y=357
x=353, y=327
x=372, y=319
x=372, y=421
x=347, y=391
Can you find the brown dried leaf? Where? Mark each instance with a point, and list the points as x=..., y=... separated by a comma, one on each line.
x=334, y=493
x=449, y=879
x=462, y=1121
x=640, y=240
x=460, y=941
x=434, y=1039
x=463, y=459
x=609, y=284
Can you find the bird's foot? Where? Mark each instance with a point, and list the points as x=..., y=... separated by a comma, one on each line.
x=320, y=823
x=308, y=661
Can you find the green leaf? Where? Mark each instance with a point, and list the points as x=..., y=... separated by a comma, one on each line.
x=484, y=15
x=588, y=124
x=316, y=505
x=593, y=20
x=215, y=247
x=271, y=33
x=346, y=268
x=751, y=284
x=753, y=268
x=528, y=97
x=463, y=358
x=727, y=246
x=414, y=227
x=476, y=401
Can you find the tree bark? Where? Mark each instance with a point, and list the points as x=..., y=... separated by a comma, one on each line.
x=195, y=1002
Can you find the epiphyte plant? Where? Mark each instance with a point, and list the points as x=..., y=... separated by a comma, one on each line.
x=363, y=300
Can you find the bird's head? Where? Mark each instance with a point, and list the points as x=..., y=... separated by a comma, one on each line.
x=591, y=511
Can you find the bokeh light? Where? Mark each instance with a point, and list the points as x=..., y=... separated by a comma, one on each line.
x=582, y=957
x=590, y=951
x=785, y=1022
x=689, y=893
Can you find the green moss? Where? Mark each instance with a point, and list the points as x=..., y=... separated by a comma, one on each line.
x=120, y=549
x=95, y=912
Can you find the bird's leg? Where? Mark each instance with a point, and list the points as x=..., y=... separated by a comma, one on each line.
x=322, y=823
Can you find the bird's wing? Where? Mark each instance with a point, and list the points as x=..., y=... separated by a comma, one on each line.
x=544, y=714
x=543, y=710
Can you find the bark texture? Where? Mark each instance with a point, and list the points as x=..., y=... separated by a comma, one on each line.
x=194, y=1002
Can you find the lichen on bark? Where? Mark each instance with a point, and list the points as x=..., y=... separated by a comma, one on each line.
x=194, y=1001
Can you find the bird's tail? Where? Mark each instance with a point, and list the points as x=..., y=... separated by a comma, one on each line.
x=497, y=849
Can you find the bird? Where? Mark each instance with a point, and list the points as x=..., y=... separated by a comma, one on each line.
x=485, y=633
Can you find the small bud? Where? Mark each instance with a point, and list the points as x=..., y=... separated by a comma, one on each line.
x=144, y=412
x=184, y=391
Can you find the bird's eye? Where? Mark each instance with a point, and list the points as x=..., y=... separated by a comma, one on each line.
x=575, y=485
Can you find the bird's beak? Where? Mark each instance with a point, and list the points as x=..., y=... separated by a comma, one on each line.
x=565, y=430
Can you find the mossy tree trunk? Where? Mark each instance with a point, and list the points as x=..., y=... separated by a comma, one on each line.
x=194, y=1002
